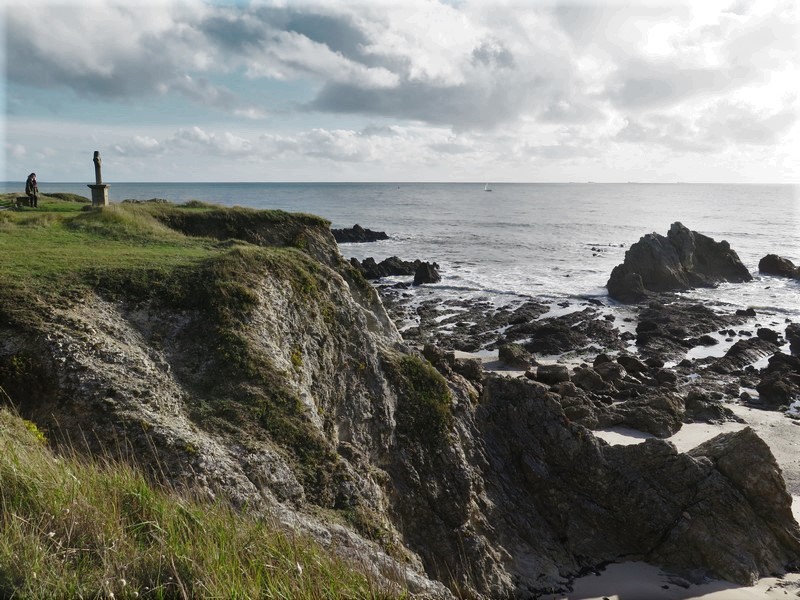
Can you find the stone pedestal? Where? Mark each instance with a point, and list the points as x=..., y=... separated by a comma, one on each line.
x=99, y=194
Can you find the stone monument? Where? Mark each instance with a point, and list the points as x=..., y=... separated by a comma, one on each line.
x=99, y=189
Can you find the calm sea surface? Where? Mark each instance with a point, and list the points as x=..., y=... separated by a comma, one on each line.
x=545, y=240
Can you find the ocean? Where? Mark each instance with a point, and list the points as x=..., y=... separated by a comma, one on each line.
x=549, y=241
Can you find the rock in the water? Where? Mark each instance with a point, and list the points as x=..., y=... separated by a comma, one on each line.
x=682, y=260
x=394, y=266
x=426, y=273
x=357, y=234
x=772, y=264
x=768, y=335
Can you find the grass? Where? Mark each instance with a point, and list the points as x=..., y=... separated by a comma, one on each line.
x=44, y=249
x=74, y=527
x=423, y=410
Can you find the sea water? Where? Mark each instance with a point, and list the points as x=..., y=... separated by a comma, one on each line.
x=550, y=241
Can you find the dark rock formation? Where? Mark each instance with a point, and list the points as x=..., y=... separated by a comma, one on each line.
x=426, y=273
x=780, y=381
x=683, y=259
x=700, y=407
x=357, y=235
x=394, y=266
x=564, y=333
x=552, y=374
x=567, y=496
x=514, y=355
x=631, y=363
x=669, y=330
x=772, y=264
x=743, y=353
x=793, y=335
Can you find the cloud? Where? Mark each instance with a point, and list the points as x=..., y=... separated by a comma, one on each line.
x=139, y=145
x=669, y=132
x=740, y=123
x=224, y=144
x=718, y=127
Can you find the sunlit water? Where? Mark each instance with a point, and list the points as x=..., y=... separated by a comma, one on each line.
x=550, y=241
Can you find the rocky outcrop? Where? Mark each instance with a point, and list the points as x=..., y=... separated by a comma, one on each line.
x=427, y=273
x=573, y=497
x=423, y=272
x=682, y=260
x=357, y=235
x=515, y=355
x=793, y=336
x=556, y=335
x=780, y=381
x=743, y=353
x=772, y=264
x=668, y=331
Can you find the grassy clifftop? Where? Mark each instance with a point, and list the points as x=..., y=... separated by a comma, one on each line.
x=74, y=526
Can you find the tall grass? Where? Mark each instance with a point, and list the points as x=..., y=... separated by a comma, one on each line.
x=72, y=527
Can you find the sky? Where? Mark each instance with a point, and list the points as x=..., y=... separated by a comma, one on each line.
x=402, y=90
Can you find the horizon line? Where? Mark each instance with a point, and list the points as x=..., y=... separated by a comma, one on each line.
x=475, y=182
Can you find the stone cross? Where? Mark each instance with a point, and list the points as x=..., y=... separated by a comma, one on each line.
x=98, y=177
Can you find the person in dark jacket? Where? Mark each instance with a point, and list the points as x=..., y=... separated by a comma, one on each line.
x=32, y=191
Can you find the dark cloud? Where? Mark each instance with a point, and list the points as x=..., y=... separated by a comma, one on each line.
x=717, y=128
x=231, y=31
x=741, y=124
x=450, y=148
x=655, y=84
x=493, y=55
x=668, y=132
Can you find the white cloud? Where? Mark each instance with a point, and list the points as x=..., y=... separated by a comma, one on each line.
x=224, y=144
x=17, y=150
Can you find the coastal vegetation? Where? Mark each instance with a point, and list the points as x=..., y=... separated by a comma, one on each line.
x=87, y=525
x=73, y=526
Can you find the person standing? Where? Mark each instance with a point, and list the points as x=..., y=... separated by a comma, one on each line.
x=32, y=191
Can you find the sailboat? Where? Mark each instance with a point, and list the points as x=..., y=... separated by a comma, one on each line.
x=486, y=188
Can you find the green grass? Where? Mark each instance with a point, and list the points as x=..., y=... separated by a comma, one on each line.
x=74, y=527
x=58, y=242
x=423, y=410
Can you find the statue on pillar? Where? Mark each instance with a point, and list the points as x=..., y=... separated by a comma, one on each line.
x=98, y=177
x=99, y=189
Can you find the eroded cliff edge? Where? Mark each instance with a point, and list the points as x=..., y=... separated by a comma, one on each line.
x=266, y=372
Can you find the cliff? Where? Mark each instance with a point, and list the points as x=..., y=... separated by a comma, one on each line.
x=235, y=353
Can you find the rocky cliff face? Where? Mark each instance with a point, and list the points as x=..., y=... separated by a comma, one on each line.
x=273, y=377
